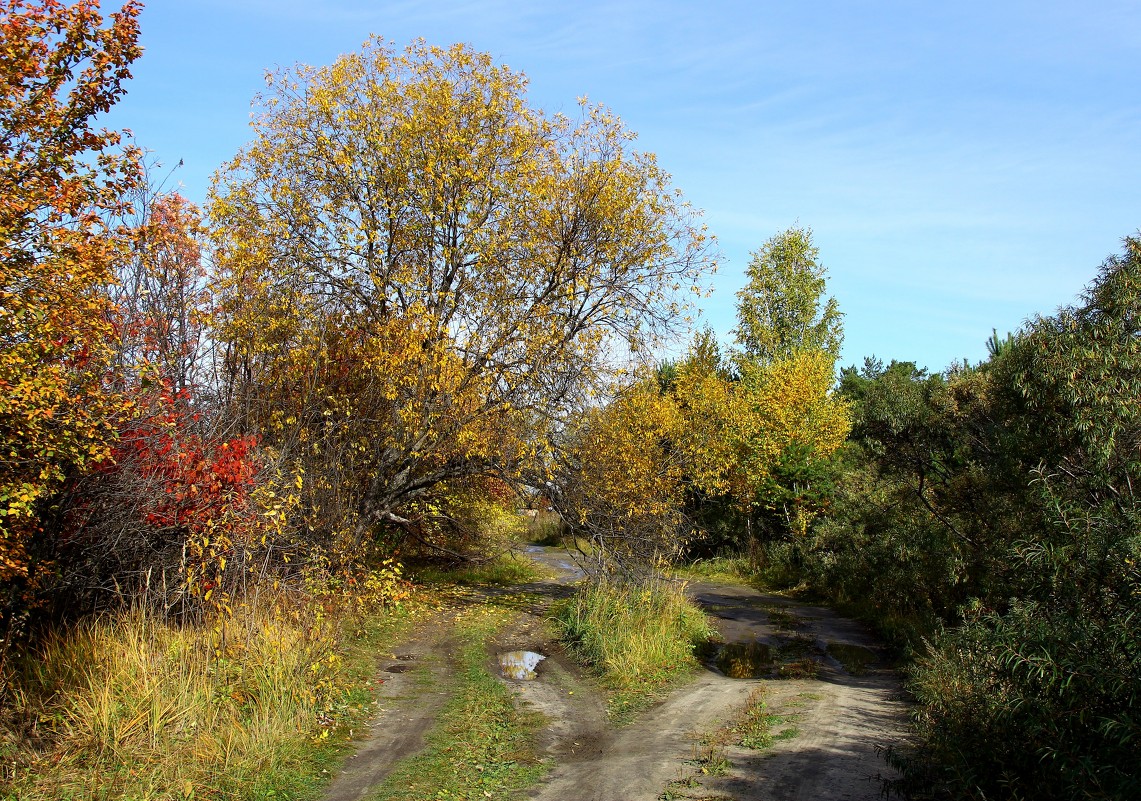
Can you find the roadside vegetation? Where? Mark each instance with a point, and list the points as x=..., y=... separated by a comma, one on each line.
x=225, y=432
x=257, y=705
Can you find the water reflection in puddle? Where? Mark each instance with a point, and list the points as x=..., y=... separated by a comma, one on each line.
x=745, y=660
x=520, y=665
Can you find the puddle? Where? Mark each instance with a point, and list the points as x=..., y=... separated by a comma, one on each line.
x=854, y=658
x=399, y=668
x=570, y=567
x=745, y=660
x=520, y=665
x=566, y=565
x=798, y=648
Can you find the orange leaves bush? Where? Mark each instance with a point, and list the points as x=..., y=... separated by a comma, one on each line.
x=61, y=181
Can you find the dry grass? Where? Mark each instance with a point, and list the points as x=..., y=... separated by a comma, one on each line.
x=132, y=707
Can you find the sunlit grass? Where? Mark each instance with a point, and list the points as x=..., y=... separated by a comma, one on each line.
x=726, y=569
x=641, y=638
x=505, y=570
x=132, y=707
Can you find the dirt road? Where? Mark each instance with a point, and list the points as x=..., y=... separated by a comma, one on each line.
x=831, y=697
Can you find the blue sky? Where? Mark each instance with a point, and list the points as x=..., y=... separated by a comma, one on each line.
x=963, y=165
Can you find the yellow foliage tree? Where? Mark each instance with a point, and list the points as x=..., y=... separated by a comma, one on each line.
x=422, y=272
x=744, y=428
x=780, y=409
x=622, y=479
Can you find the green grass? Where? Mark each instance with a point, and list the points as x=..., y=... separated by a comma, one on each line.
x=728, y=569
x=504, y=571
x=481, y=745
x=640, y=639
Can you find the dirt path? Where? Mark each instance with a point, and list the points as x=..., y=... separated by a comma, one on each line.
x=841, y=719
x=407, y=700
x=828, y=731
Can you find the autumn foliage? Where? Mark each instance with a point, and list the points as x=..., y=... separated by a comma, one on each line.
x=62, y=180
x=401, y=310
x=422, y=275
x=173, y=504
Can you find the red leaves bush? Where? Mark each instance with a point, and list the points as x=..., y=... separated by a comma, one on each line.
x=195, y=482
x=164, y=516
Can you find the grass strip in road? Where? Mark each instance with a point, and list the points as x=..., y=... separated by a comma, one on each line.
x=640, y=638
x=755, y=727
x=481, y=745
x=758, y=728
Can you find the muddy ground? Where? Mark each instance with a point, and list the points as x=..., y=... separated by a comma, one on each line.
x=836, y=704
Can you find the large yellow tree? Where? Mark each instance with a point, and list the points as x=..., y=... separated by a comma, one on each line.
x=423, y=272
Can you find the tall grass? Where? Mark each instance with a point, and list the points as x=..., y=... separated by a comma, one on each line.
x=133, y=707
x=640, y=637
x=546, y=528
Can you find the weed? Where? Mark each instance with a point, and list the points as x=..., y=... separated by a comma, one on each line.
x=710, y=760
x=756, y=726
x=753, y=726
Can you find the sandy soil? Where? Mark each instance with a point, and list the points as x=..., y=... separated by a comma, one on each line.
x=841, y=720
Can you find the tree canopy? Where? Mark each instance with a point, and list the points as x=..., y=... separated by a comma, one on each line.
x=422, y=271
x=782, y=308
